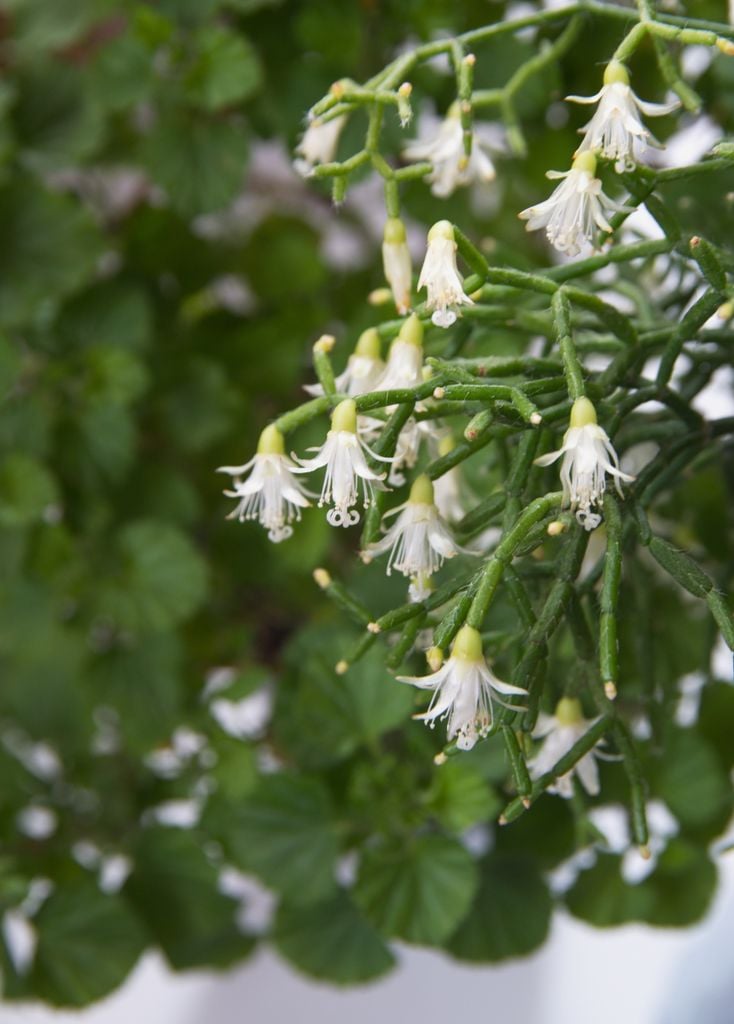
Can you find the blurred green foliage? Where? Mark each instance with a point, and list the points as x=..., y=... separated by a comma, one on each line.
x=157, y=305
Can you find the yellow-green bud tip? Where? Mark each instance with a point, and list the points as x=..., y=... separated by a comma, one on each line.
x=585, y=161
x=610, y=690
x=569, y=711
x=614, y=72
x=446, y=444
x=394, y=231
x=583, y=413
x=379, y=297
x=441, y=229
x=322, y=578
x=271, y=442
x=341, y=667
x=439, y=759
x=412, y=331
x=454, y=110
x=421, y=493
x=468, y=645
x=368, y=344
x=344, y=416
x=434, y=657
x=325, y=343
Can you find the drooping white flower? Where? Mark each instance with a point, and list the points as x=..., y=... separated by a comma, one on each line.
x=440, y=277
x=342, y=456
x=397, y=264
x=419, y=540
x=616, y=128
x=404, y=368
x=588, y=455
x=271, y=494
x=318, y=144
x=445, y=151
x=363, y=370
x=464, y=689
x=576, y=208
x=560, y=732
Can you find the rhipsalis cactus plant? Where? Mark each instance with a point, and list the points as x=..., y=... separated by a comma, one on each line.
x=577, y=446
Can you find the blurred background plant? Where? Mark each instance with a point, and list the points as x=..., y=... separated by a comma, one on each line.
x=163, y=275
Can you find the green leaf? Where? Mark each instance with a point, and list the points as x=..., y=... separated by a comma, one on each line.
x=691, y=780
x=677, y=893
x=26, y=490
x=510, y=915
x=88, y=942
x=416, y=889
x=143, y=684
x=57, y=121
x=199, y=163
x=114, y=313
x=331, y=715
x=602, y=897
x=716, y=720
x=226, y=70
x=37, y=228
x=174, y=888
x=284, y=833
x=331, y=940
x=548, y=830
x=162, y=579
x=461, y=797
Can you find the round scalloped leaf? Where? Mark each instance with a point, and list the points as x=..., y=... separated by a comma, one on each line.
x=416, y=889
x=510, y=915
x=332, y=941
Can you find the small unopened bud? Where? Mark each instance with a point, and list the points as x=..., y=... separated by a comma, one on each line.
x=644, y=852
x=439, y=393
x=726, y=46
x=556, y=528
x=325, y=343
x=470, y=59
x=536, y=418
x=373, y=627
x=725, y=311
x=341, y=667
x=379, y=297
x=434, y=657
x=525, y=801
x=322, y=578
x=502, y=820
x=440, y=759
x=405, y=111
x=337, y=89
x=610, y=690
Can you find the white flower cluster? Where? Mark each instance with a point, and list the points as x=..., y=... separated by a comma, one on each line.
x=577, y=208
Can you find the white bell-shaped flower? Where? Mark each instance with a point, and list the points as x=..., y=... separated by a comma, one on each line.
x=440, y=276
x=397, y=264
x=363, y=370
x=616, y=129
x=560, y=732
x=463, y=689
x=271, y=494
x=575, y=210
x=404, y=367
x=318, y=144
x=342, y=455
x=419, y=540
x=452, y=168
x=588, y=455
